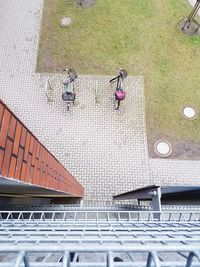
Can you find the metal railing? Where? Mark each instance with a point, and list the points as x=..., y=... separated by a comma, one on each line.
x=108, y=256
x=79, y=238
x=101, y=215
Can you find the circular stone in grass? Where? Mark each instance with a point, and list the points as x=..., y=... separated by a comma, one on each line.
x=65, y=21
x=163, y=148
x=189, y=113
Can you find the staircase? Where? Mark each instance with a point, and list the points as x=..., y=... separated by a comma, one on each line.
x=86, y=237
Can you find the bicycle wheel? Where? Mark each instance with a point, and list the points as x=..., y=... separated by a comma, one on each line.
x=117, y=104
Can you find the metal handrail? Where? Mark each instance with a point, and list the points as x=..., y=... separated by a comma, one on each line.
x=109, y=233
x=79, y=215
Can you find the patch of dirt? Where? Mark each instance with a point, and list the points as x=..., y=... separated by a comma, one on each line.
x=45, y=62
x=85, y=3
x=182, y=149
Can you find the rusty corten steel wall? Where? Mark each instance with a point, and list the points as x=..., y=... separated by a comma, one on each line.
x=24, y=158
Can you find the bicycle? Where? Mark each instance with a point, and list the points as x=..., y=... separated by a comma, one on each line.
x=69, y=95
x=119, y=91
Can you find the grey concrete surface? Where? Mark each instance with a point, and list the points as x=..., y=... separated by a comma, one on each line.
x=104, y=149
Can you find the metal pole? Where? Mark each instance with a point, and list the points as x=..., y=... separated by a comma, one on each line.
x=66, y=260
x=149, y=260
x=195, y=12
x=156, y=202
x=191, y=256
x=153, y=256
x=190, y=259
x=110, y=262
x=19, y=258
x=26, y=260
x=156, y=259
x=191, y=15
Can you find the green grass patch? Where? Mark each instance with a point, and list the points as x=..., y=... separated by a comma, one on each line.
x=143, y=37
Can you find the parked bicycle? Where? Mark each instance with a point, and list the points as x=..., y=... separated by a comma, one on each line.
x=119, y=90
x=69, y=94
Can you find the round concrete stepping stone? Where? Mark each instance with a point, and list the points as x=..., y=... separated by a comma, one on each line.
x=189, y=113
x=163, y=148
x=65, y=21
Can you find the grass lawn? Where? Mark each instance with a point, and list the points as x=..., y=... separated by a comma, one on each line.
x=143, y=37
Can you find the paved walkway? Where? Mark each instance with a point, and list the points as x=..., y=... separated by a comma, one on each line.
x=104, y=149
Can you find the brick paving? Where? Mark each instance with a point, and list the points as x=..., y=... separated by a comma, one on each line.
x=104, y=149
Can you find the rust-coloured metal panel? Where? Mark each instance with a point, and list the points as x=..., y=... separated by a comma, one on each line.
x=33, y=162
x=7, y=157
x=23, y=172
x=4, y=128
x=28, y=138
x=12, y=127
x=17, y=138
x=23, y=137
x=1, y=113
x=23, y=157
x=1, y=158
x=12, y=167
x=28, y=169
x=31, y=144
x=19, y=163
